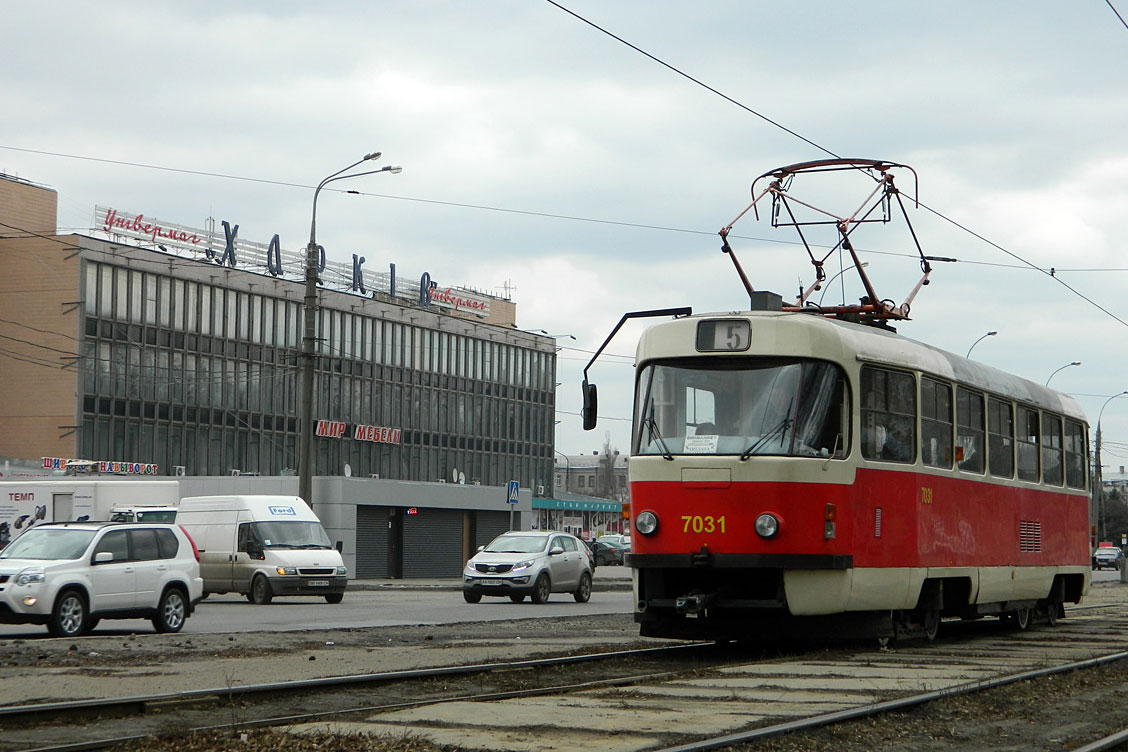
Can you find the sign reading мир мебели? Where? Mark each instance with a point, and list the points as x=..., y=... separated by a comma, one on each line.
x=233, y=252
x=334, y=429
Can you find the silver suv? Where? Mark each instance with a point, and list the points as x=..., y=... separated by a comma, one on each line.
x=517, y=564
x=70, y=575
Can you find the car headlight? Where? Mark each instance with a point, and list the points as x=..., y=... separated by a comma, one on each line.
x=31, y=576
x=522, y=566
x=646, y=522
x=286, y=570
x=342, y=571
x=767, y=525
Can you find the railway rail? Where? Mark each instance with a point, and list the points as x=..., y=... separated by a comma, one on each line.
x=682, y=698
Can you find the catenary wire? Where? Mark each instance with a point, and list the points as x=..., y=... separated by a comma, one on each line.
x=824, y=149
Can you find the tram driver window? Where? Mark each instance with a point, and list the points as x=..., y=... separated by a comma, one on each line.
x=888, y=415
x=1027, y=444
x=935, y=423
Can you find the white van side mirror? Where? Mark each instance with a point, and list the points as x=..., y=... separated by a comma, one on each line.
x=103, y=557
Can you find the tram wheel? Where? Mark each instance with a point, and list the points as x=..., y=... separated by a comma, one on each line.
x=1021, y=618
x=930, y=623
x=1055, y=611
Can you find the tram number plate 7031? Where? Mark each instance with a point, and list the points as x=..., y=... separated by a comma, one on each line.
x=702, y=524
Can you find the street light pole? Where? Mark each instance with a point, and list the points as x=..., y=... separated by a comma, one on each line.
x=826, y=284
x=1067, y=365
x=1098, y=487
x=976, y=342
x=309, y=338
x=567, y=469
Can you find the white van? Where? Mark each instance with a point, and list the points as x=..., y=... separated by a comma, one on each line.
x=262, y=546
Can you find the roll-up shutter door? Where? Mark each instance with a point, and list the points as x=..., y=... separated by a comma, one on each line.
x=432, y=543
x=371, y=541
x=489, y=525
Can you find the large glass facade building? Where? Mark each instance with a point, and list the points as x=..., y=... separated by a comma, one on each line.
x=192, y=365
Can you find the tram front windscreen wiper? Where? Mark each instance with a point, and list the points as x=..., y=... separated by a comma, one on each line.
x=779, y=429
x=652, y=425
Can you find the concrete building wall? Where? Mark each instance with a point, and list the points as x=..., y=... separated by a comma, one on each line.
x=26, y=209
x=38, y=337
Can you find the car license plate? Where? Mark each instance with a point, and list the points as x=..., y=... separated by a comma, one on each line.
x=319, y=583
x=492, y=582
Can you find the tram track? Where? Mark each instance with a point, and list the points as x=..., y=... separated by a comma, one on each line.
x=693, y=698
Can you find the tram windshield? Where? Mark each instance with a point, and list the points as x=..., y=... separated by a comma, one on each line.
x=742, y=406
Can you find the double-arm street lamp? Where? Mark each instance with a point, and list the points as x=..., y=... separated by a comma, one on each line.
x=309, y=339
x=1067, y=365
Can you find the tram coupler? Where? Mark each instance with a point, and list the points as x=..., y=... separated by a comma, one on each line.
x=694, y=603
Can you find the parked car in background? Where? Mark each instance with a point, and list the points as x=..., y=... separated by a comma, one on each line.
x=70, y=575
x=1107, y=557
x=615, y=538
x=607, y=551
x=534, y=564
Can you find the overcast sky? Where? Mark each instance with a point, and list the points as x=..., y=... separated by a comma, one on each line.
x=542, y=154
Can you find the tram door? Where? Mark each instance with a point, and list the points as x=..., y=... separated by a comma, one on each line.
x=395, y=543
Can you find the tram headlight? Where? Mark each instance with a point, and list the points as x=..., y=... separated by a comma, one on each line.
x=767, y=525
x=646, y=523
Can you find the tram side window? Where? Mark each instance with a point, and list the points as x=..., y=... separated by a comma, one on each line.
x=969, y=430
x=935, y=423
x=1051, y=449
x=1027, y=444
x=888, y=415
x=1000, y=438
x=1074, y=454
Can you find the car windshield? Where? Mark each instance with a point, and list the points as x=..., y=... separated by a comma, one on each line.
x=742, y=406
x=49, y=543
x=1108, y=551
x=517, y=544
x=289, y=535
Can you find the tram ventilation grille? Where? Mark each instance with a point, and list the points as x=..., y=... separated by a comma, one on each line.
x=877, y=522
x=1029, y=535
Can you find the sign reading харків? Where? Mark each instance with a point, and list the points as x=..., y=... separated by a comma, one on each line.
x=228, y=250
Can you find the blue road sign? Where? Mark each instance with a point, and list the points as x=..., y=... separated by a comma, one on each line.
x=514, y=488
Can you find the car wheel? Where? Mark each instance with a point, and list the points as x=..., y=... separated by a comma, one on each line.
x=334, y=597
x=583, y=592
x=471, y=596
x=541, y=589
x=260, y=594
x=171, y=611
x=517, y=597
x=68, y=617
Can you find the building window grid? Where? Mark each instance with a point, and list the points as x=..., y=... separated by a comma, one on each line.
x=171, y=379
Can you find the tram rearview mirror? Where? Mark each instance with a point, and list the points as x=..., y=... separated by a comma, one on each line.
x=591, y=406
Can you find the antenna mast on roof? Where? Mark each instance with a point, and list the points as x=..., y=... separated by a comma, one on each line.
x=871, y=309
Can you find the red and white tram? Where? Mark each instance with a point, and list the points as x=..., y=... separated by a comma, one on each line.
x=793, y=472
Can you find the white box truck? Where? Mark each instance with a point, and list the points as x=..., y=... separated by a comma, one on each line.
x=29, y=502
x=262, y=546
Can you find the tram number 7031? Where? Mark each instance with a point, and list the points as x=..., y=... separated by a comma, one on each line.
x=706, y=524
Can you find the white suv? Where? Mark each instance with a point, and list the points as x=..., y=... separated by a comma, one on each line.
x=536, y=564
x=70, y=575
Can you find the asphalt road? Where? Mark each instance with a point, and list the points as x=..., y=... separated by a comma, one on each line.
x=360, y=608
